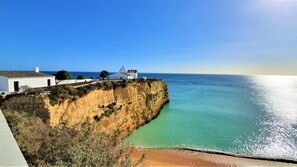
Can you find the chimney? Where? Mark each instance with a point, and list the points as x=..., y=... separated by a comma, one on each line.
x=36, y=69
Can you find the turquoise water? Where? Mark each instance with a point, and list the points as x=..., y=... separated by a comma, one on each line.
x=250, y=115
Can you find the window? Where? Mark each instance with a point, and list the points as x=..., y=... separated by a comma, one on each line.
x=16, y=86
x=48, y=82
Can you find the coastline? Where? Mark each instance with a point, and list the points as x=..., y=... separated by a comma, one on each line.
x=188, y=157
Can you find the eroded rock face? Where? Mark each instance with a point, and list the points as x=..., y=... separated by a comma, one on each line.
x=121, y=108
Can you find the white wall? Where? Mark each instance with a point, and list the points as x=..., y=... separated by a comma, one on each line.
x=71, y=81
x=35, y=82
x=10, y=154
x=135, y=75
x=117, y=76
x=3, y=84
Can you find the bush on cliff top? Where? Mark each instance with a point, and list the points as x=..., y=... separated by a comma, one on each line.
x=43, y=145
x=61, y=93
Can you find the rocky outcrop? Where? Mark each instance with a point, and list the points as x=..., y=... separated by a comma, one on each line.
x=123, y=108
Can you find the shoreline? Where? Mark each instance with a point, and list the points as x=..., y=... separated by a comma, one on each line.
x=239, y=155
x=191, y=157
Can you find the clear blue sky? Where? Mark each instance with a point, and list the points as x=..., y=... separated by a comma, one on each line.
x=174, y=36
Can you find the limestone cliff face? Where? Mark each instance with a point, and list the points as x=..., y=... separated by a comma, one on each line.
x=121, y=108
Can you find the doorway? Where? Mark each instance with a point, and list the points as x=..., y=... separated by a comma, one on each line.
x=16, y=86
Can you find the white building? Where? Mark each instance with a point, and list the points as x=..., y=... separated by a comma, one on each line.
x=12, y=81
x=123, y=74
x=133, y=73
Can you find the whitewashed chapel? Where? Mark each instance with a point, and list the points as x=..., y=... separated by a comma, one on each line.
x=123, y=74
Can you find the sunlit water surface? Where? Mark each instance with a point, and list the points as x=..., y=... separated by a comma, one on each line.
x=250, y=115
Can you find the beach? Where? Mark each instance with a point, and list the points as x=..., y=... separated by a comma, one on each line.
x=175, y=157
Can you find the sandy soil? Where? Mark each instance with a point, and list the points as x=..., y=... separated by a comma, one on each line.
x=173, y=157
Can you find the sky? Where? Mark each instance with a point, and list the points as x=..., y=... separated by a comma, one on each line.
x=164, y=36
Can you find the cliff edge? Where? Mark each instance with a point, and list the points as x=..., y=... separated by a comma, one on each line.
x=120, y=106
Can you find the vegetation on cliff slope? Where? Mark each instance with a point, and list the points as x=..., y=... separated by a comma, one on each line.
x=87, y=122
x=61, y=93
x=43, y=145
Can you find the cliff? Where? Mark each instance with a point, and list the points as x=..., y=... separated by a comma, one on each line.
x=122, y=105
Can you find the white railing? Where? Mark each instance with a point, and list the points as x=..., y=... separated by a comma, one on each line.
x=10, y=154
x=72, y=81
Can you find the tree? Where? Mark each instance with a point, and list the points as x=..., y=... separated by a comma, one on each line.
x=63, y=75
x=81, y=77
x=104, y=74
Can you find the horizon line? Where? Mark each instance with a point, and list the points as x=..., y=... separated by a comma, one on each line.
x=182, y=73
x=191, y=73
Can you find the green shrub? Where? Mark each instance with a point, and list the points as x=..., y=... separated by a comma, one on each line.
x=96, y=118
x=81, y=91
x=35, y=91
x=81, y=77
x=61, y=93
x=111, y=105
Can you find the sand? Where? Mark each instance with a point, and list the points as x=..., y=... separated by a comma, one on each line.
x=174, y=157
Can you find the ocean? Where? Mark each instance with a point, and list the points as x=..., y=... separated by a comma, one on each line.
x=247, y=115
